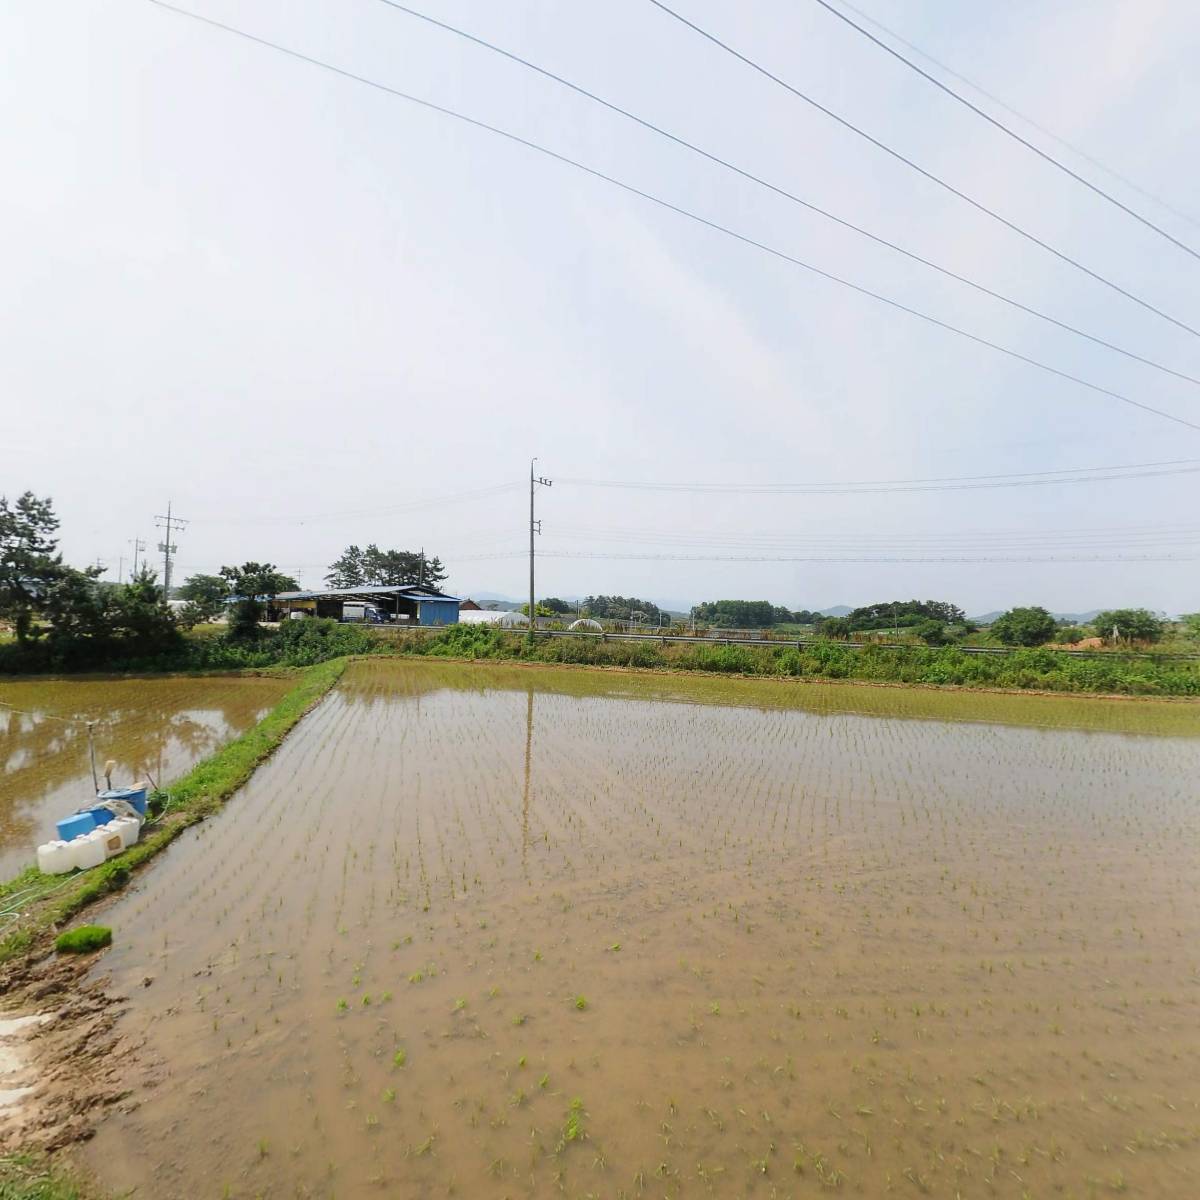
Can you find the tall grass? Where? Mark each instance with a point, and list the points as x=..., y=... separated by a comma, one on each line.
x=1040, y=670
x=292, y=644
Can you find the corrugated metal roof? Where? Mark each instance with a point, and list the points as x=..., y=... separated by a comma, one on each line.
x=410, y=591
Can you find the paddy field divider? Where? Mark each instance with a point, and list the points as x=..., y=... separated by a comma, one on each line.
x=34, y=905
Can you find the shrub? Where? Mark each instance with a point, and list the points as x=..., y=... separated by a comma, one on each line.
x=1024, y=627
x=932, y=633
x=1133, y=624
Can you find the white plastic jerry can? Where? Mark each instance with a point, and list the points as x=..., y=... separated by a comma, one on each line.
x=55, y=858
x=89, y=849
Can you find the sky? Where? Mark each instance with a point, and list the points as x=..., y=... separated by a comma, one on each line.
x=307, y=313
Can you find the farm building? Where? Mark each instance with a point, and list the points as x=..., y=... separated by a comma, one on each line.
x=403, y=604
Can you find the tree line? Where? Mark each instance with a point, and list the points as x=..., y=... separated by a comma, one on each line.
x=75, y=616
x=69, y=616
x=372, y=567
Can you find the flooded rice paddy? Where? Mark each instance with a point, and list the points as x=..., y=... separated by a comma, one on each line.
x=501, y=932
x=163, y=725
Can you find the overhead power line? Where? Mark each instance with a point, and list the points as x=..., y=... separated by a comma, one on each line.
x=1012, y=133
x=778, y=190
x=377, y=510
x=819, y=558
x=1179, y=466
x=908, y=162
x=666, y=204
x=1166, y=205
x=795, y=540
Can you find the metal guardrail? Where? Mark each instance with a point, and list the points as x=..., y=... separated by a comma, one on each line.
x=800, y=643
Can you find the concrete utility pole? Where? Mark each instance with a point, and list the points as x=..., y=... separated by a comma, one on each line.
x=534, y=527
x=168, y=547
x=138, y=546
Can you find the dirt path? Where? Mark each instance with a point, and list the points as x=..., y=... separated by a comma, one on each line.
x=60, y=1055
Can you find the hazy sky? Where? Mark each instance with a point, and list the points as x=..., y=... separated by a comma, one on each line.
x=273, y=295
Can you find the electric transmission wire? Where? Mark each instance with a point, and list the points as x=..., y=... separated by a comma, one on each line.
x=483, y=493
x=908, y=162
x=1012, y=133
x=1016, y=112
x=817, y=558
x=1178, y=466
x=778, y=190
x=476, y=123
x=875, y=539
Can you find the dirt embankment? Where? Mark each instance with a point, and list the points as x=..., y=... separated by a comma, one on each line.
x=60, y=1053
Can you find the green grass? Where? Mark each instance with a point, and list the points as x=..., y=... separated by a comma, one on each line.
x=32, y=1177
x=84, y=939
x=54, y=900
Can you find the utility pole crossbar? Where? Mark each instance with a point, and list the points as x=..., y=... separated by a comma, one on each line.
x=168, y=547
x=535, y=527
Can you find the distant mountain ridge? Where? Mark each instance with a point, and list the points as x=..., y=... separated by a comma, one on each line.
x=1082, y=618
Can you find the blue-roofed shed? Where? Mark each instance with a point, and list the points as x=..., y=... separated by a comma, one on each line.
x=404, y=604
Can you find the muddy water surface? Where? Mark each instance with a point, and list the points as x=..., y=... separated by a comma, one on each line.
x=162, y=724
x=504, y=933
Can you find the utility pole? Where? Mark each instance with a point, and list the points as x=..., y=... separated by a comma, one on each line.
x=534, y=527
x=138, y=547
x=168, y=547
x=120, y=568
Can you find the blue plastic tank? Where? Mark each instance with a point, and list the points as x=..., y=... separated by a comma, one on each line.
x=134, y=796
x=102, y=815
x=77, y=823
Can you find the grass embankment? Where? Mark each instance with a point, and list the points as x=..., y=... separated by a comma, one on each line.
x=1029, y=670
x=291, y=644
x=34, y=1177
x=49, y=900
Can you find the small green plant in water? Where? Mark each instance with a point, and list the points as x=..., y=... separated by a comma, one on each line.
x=572, y=1130
x=400, y=1057
x=581, y=1003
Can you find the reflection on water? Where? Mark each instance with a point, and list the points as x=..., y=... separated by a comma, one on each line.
x=157, y=725
x=489, y=934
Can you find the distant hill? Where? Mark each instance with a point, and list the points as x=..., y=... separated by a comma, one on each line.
x=1082, y=618
x=838, y=610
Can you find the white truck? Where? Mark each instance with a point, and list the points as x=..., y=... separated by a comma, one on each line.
x=361, y=613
